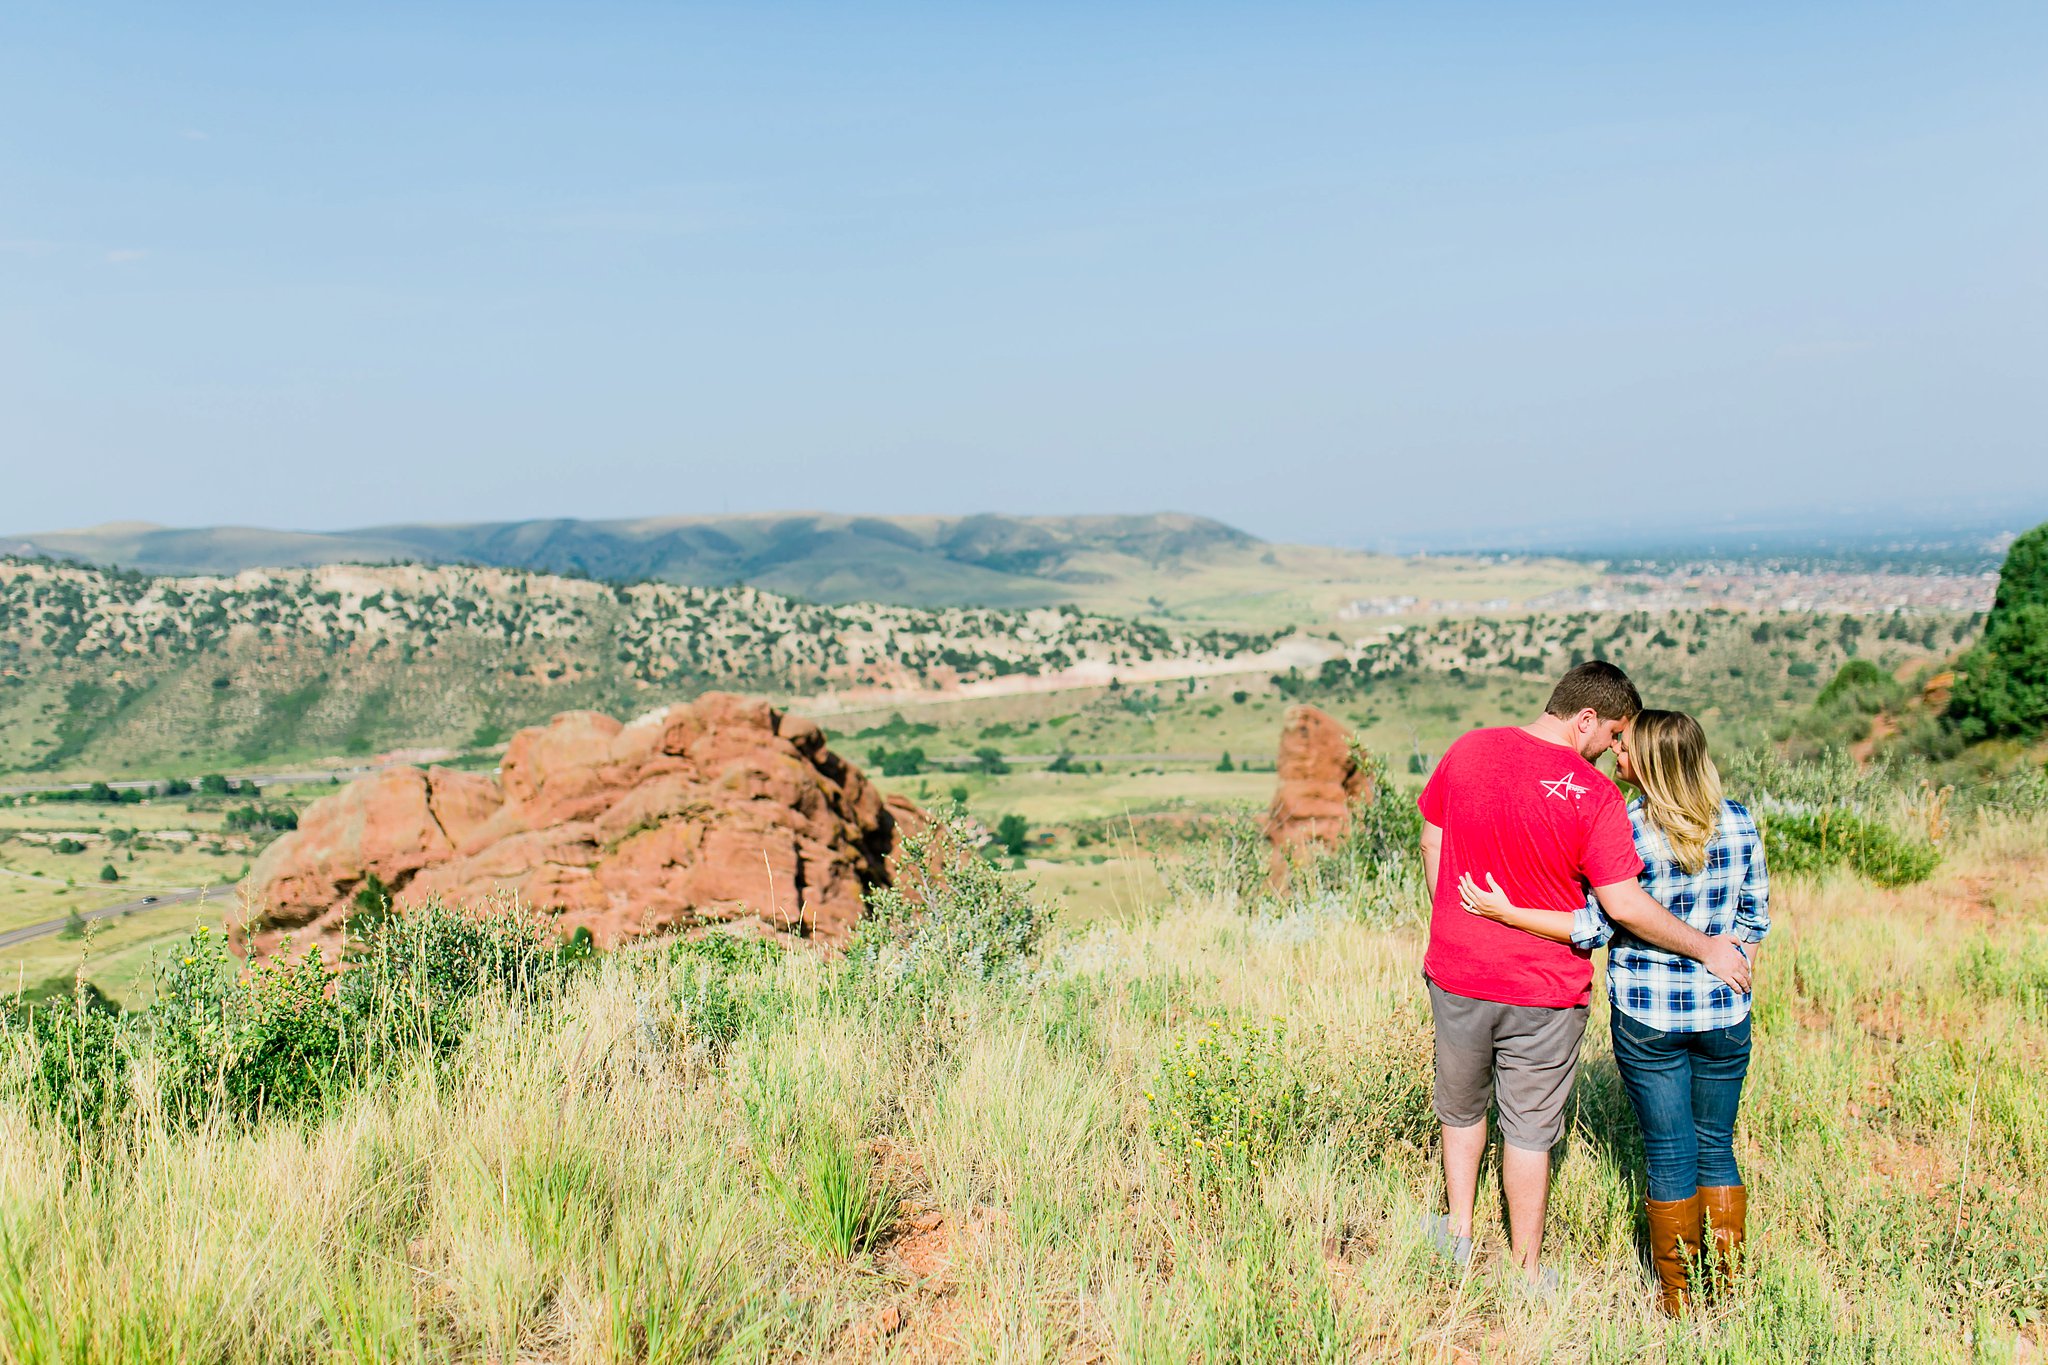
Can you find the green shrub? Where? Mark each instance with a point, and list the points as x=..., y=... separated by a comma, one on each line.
x=1817, y=842
x=74, y=1056
x=716, y=989
x=1229, y=865
x=950, y=918
x=280, y=1035
x=1226, y=1103
x=262, y=1040
x=1013, y=832
x=417, y=974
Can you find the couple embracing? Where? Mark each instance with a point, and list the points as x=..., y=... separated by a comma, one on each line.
x=1534, y=861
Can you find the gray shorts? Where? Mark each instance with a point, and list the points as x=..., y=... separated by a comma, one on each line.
x=1524, y=1056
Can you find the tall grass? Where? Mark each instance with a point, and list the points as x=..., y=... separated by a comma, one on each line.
x=583, y=1179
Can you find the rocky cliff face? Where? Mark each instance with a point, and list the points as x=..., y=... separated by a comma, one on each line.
x=1319, y=781
x=722, y=810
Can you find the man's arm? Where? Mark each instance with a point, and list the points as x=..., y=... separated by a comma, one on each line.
x=1636, y=910
x=1432, y=854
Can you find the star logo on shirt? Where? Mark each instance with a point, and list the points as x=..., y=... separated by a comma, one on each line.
x=1564, y=789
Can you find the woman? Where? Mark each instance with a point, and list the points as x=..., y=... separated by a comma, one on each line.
x=1681, y=1036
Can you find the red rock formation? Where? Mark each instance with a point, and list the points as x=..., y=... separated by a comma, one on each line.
x=725, y=809
x=1320, y=781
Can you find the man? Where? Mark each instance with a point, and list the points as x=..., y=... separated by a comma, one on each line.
x=1526, y=804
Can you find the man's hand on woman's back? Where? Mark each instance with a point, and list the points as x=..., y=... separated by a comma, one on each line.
x=1636, y=910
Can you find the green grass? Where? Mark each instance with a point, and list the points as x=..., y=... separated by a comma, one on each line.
x=584, y=1182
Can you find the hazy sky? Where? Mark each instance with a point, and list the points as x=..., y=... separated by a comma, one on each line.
x=1326, y=271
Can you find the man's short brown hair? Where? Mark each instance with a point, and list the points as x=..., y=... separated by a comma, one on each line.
x=1600, y=685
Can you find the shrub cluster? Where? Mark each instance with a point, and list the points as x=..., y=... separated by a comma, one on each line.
x=1225, y=1104
x=1821, y=841
x=951, y=918
x=1374, y=875
x=1828, y=812
x=718, y=993
x=279, y=1036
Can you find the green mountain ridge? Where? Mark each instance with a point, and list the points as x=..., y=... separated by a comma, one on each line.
x=984, y=560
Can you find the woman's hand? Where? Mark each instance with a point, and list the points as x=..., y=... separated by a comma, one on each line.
x=1487, y=902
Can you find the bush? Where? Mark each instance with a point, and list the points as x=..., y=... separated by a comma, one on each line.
x=989, y=759
x=1013, y=832
x=1818, y=842
x=711, y=991
x=417, y=975
x=950, y=918
x=74, y=1056
x=264, y=1040
x=1229, y=864
x=1224, y=1105
x=269, y=818
x=1845, y=710
x=898, y=762
x=280, y=1035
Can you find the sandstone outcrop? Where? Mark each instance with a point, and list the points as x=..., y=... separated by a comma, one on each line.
x=722, y=810
x=1320, y=780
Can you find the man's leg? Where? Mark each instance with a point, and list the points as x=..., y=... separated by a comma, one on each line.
x=1464, y=1089
x=1462, y=1149
x=1537, y=1056
x=1526, y=1175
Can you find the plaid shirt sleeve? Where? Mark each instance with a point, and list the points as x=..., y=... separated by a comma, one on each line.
x=1753, y=901
x=1590, y=926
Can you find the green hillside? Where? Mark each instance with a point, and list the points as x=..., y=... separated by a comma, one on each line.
x=105, y=673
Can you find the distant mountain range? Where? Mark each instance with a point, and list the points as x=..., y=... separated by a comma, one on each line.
x=924, y=561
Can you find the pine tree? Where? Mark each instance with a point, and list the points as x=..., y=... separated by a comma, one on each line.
x=2002, y=687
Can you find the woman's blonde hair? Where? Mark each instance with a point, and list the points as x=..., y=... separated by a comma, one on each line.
x=1681, y=786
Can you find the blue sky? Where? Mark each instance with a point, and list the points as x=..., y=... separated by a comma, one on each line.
x=1330, y=272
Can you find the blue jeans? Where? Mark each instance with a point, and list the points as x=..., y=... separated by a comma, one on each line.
x=1685, y=1088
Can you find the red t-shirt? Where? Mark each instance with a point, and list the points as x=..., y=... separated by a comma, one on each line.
x=1547, y=824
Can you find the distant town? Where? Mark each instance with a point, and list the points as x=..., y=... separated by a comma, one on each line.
x=1742, y=587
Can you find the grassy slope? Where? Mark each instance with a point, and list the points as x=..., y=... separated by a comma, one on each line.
x=578, y=1192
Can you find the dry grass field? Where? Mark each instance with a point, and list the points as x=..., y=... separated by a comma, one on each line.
x=685, y=1156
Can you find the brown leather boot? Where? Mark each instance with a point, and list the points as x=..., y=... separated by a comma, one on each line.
x=1726, y=1210
x=1674, y=1244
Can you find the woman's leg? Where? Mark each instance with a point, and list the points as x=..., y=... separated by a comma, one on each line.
x=1720, y=1062
x=1656, y=1068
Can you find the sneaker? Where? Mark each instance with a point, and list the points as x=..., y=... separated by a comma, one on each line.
x=1543, y=1285
x=1437, y=1228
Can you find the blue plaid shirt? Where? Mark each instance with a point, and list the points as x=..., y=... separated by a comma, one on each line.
x=1731, y=894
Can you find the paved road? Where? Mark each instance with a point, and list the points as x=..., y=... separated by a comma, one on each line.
x=134, y=907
